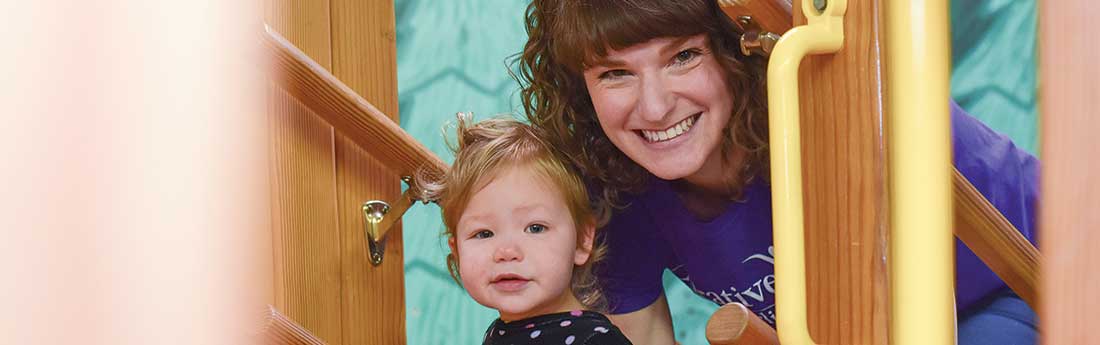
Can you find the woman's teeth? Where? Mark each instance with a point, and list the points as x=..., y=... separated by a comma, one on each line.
x=670, y=133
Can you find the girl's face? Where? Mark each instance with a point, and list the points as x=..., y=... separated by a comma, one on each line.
x=665, y=103
x=517, y=245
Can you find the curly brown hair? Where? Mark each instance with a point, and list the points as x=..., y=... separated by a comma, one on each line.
x=564, y=36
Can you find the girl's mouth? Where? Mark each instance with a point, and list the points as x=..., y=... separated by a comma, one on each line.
x=509, y=282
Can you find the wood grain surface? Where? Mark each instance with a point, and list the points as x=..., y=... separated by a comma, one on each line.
x=845, y=190
x=733, y=324
x=1070, y=206
x=334, y=151
x=993, y=238
x=772, y=15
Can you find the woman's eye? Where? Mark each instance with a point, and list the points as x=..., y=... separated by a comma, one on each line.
x=685, y=56
x=614, y=74
x=536, y=228
x=482, y=234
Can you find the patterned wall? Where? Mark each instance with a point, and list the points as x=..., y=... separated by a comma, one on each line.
x=994, y=56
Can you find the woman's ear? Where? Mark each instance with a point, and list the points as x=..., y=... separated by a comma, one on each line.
x=584, y=244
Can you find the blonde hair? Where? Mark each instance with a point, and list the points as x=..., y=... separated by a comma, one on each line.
x=484, y=149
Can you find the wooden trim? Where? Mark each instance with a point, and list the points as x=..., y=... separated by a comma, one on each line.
x=845, y=190
x=364, y=58
x=1069, y=213
x=281, y=330
x=733, y=324
x=772, y=15
x=993, y=238
x=347, y=112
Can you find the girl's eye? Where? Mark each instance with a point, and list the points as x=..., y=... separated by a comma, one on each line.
x=686, y=56
x=614, y=74
x=482, y=234
x=535, y=228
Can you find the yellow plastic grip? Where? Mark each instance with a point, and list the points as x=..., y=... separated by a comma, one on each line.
x=824, y=33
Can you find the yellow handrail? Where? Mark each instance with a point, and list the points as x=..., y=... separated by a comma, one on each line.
x=824, y=33
x=922, y=246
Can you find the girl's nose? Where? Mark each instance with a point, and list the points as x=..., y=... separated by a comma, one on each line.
x=508, y=252
x=655, y=100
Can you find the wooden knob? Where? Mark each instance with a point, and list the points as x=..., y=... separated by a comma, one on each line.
x=735, y=324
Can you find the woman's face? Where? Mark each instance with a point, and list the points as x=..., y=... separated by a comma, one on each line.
x=664, y=103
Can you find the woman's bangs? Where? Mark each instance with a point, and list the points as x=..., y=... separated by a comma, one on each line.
x=590, y=28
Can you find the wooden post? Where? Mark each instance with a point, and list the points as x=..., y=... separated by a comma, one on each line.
x=1070, y=207
x=303, y=178
x=845, y=194
x=365, y=58
x=322, y=175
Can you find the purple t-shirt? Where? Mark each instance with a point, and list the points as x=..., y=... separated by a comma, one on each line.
x=730, y=258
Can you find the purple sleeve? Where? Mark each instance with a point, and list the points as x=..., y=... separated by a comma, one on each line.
x=1004, y=174
x=630, y=274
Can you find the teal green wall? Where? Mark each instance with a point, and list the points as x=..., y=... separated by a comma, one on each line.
x=994, y=56
x=451, y=57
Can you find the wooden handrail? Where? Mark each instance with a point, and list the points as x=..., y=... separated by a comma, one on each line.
x=993, y=238
x=346, y=111
x=281, y=330
x=733, y=323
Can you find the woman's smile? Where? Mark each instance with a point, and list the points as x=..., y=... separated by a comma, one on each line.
x=671, y=133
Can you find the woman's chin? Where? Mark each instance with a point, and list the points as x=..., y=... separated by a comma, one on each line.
x=672, y=170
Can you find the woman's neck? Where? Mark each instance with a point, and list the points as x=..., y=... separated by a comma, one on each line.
x=719, y=175
x=707, y=192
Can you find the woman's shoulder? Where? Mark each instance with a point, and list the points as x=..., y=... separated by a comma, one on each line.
x=976, y=145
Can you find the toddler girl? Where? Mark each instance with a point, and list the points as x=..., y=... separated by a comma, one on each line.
x=521, y=236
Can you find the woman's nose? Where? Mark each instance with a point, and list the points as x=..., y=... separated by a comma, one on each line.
x=655, y=101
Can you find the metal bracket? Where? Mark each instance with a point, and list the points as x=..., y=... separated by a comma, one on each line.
x=755, y=40
x=379, y=217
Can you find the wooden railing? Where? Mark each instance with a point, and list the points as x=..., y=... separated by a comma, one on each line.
x=281, y=330
x=335, y=156
x=999, y=244
x=347, y=112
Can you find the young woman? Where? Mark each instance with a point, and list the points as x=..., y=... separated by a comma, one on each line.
x=667, y=121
